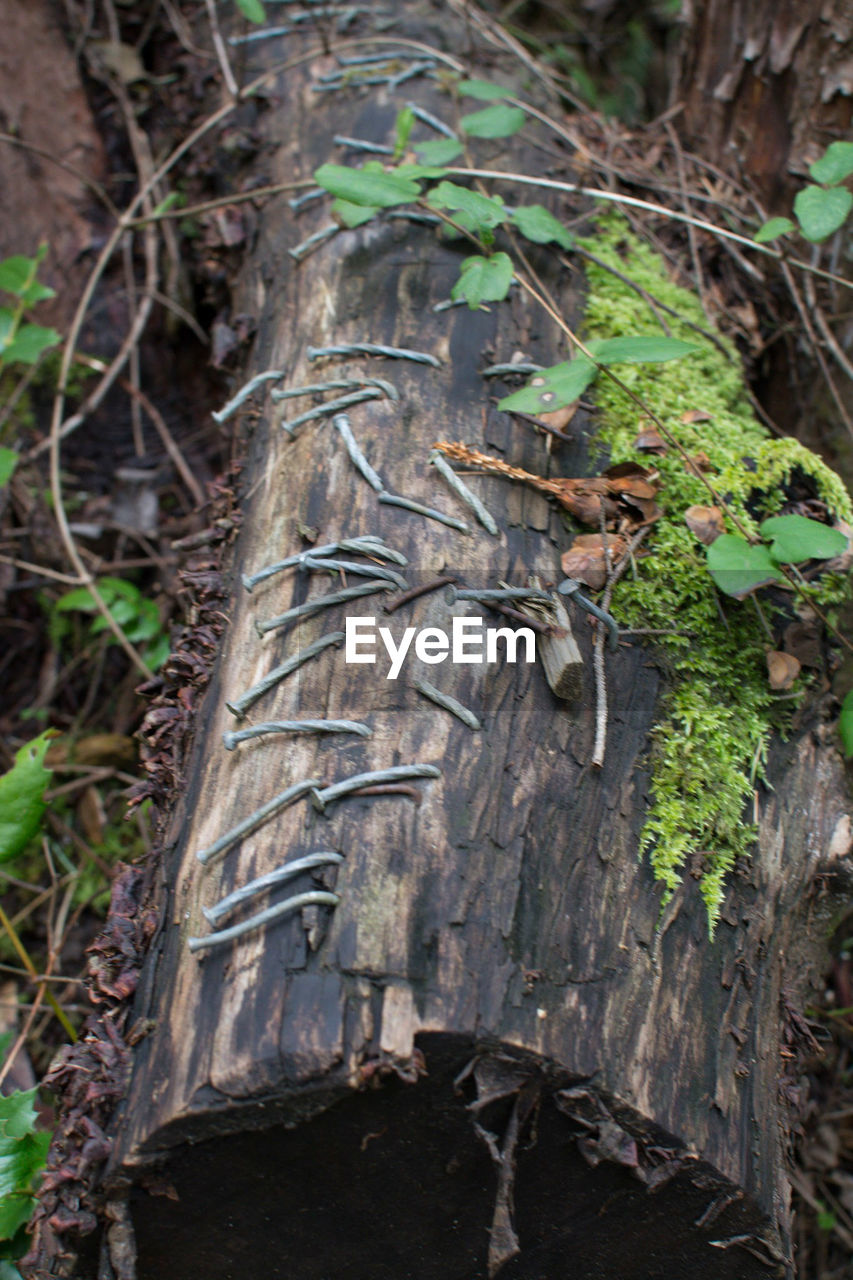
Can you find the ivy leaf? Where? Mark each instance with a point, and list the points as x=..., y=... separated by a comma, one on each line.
x=484, y=212
x=8, y=462
x=822, y=210
x=370, y=185
x=835, y=164
x=29, y=343
x=538, y=224
x=483, y=280
x=483, y=89
x=353, y=215
x=253, y=10
x=739, y=567
x=438, y=150
x=845, y=725
x=22, y=1157
x=772, y=229
x=493, y=122
x=643, y=350
x=796, y=538
x=552, y=388
x=21, y=803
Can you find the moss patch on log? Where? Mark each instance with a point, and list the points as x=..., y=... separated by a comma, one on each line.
x=709, y=748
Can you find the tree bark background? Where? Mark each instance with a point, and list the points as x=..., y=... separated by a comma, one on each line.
x=507, y=914
x=766, y=87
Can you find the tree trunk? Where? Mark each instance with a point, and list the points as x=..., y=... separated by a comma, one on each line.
x=766, y=86
x=491, y=1053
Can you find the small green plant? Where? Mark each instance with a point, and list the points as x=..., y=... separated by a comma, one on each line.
x=822, y=206
x=253, y=10
x=22, y=788
x=21, y=341
x=23, y=1154
x=138, y=617
x=740, y=568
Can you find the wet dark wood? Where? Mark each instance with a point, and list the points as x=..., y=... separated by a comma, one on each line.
x=507, y=913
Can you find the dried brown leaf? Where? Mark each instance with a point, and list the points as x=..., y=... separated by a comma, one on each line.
x=697, y=415
x=705, y=522
x=782, y=669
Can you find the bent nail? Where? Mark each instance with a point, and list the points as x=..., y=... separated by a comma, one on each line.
x=444, y=468
x=373, y=349
x=321, y=797
x=269, y=375
x=269, y=881
x=232, y=737
x=394, y=500
x=241, y=705
x=256, y=819
x=323, y=602
x=450, y=704
x=317, y=897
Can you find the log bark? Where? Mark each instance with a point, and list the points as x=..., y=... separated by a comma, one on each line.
x=765, y=88
x=491, y=1054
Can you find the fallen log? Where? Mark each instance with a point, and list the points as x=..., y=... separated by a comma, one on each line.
x=470, y=1043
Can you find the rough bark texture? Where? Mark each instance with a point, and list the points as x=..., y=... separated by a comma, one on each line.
x=625, y=1087
x=43, y=175
x=766, y=86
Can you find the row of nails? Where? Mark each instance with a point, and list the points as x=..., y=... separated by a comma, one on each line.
x=374, y=780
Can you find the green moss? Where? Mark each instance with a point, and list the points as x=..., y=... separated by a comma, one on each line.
x=717, y=718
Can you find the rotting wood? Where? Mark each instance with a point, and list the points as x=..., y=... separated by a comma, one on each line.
x=487, y=1055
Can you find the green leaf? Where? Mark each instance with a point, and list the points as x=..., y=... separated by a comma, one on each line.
x=155, y=655
x=15, y=1210
x=18, y=1114
x=493, y=122
x=37, y=292
x=168, y=202
x=483, y=280
x=405, y=121
x=796, y=538
x=370, y=185
x=7, y=326
x=484, y=212
x=8, y=462
x=16, y=273
x=417, y=171
x=483, y=89
x=739, y=567
x=845, y=725
x=438, y=150
x=253, y=10
x=353, y=215
x=822, y=210
x=538, y=224
x=23, y=1153
x=8, y=1270
x=772, y=229
x=552, y=388
x=643, y=350
x=21, y=803
x=29, y=343
x=835, y=164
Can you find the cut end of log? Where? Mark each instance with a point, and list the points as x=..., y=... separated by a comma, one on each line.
x=484, y=1161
